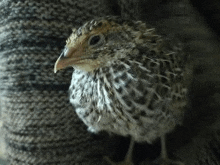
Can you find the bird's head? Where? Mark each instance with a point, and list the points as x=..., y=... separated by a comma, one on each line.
x=100, y=42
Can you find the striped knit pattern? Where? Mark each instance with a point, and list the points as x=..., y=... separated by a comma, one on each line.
x=41, y=126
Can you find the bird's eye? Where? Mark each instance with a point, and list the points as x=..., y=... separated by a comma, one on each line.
x=96, y=40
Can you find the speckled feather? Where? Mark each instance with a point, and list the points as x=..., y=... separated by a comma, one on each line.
x=136, y=85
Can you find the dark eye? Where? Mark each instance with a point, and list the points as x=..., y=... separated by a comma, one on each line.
x=96, y=40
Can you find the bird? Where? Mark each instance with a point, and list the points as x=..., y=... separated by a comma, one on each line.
x=127, y=80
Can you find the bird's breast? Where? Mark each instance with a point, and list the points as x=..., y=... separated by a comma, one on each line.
x=122, y=99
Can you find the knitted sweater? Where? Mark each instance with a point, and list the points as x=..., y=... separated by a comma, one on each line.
x=40, y=125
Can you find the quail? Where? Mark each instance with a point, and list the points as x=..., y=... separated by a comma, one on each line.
x=127, y=80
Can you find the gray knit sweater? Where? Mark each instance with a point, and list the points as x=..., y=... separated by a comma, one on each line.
x=40, y=125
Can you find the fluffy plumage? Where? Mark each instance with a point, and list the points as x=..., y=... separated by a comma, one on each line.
x=127, y=79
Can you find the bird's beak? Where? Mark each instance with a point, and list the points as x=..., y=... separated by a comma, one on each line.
x=68, y=57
